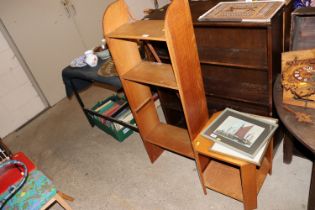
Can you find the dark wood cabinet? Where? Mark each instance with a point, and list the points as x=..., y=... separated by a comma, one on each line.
x=239, y=61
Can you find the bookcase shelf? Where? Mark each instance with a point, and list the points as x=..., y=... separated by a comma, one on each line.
x=171, y=138
x=143, y=104
x=182, y=75
x=142, y=29
x=153, y=73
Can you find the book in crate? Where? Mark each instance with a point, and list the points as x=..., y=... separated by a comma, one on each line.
x=115, y=107
x=241, y=135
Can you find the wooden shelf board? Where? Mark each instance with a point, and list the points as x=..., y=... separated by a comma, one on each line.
x=140, y=30
x=158, y=74
x=226, y=179
x=145, y=102
x=223, y=179
x=171, y=138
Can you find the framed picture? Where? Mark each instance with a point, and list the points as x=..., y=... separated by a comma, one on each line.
x=244, y=133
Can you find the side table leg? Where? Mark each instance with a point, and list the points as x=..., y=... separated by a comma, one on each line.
x=311, y=196
x=249, y=187
x=269, y=155
x=287, y=148
x=200, y=173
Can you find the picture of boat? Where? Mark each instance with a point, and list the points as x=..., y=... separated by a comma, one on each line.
x=238, y=130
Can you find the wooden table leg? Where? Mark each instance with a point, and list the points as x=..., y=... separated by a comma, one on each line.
x=249, y=188
x=200, y=168
x=311, y=196
x=287, y=148
x=269, y=154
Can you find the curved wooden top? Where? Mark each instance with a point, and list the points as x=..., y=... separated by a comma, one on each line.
x=303, y=132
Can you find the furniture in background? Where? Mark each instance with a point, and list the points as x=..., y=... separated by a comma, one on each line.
x=239, y=62
x=228, y=175
x=183, y=75
x=287, y=11
x=25, y=187
x=77, y=79
x=299, y=138
x=302, y=30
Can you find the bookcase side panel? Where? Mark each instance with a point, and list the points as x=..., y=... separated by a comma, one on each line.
x=185, y=61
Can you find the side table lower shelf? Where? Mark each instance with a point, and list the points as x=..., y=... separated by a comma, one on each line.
x=226, y=179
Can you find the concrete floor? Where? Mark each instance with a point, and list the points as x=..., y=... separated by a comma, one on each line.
x=101, y=173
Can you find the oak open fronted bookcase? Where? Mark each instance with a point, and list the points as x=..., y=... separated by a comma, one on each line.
x=183, y=74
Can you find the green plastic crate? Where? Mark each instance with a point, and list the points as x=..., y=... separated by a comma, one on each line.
x=121, y=134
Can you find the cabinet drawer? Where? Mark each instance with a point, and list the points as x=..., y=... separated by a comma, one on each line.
x=232, y=46
x=236, y=83
x=217, y=104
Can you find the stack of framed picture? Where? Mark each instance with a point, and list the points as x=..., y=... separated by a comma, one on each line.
x=241, y=135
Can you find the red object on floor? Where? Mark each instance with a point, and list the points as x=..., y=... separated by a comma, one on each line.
x=10, y=175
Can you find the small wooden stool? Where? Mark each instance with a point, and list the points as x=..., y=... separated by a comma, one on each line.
x=228, y=175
